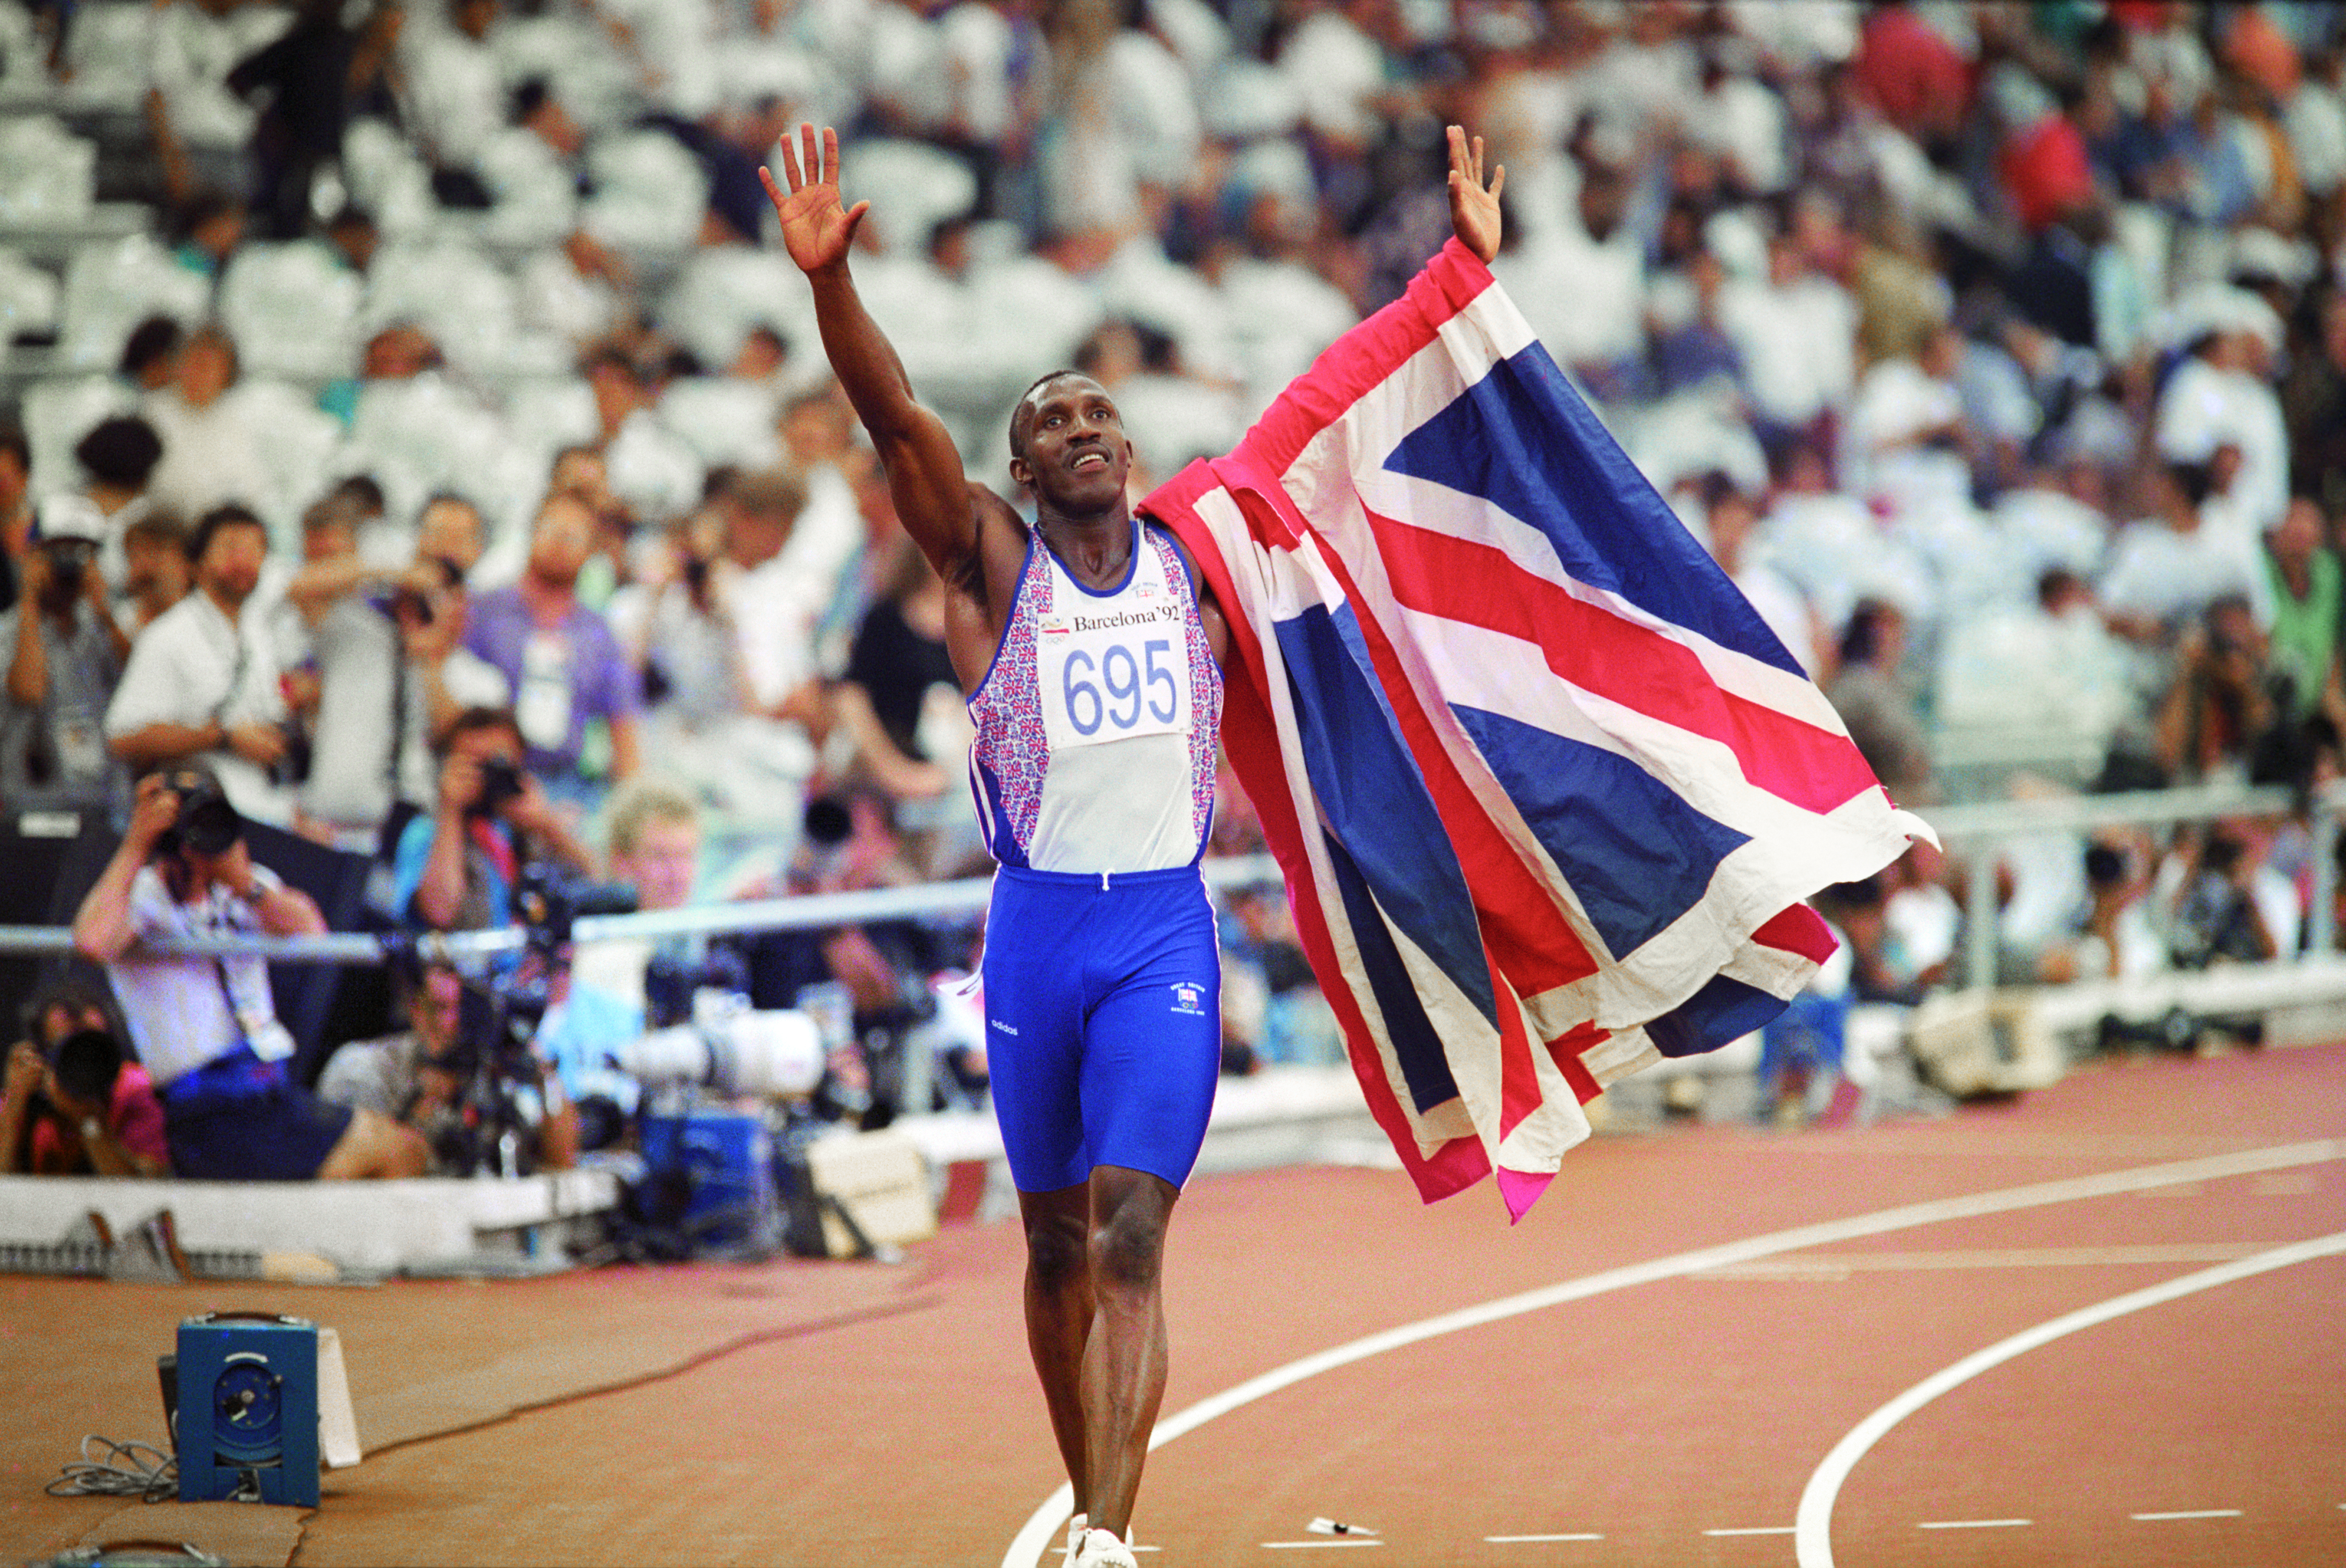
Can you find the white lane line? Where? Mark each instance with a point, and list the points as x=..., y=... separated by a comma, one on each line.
x=1511, y=1540
x=1314, y=1545
x=1813, y=1546
x=1756, y=1529
x=2191, y=1514
x=1047, y=1521
x=1975, y=1524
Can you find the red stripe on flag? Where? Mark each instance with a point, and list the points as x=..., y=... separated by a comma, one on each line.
x=1441, y=574
x=1798, y=929
x=1250, y=741
x=1566, y=1050
x=1517, y=919
x=1363, y=357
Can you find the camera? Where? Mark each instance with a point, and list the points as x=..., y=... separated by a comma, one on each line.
x=500, y=782
x=207, y=824
x=69, y=562
x=393, y=605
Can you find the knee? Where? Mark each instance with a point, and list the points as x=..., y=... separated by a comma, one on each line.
x=1055, y=1249
x=1128, y=1250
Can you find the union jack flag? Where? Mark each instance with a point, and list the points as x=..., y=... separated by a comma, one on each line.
x=1546, y=791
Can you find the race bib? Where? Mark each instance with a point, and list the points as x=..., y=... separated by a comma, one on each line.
x=1113, y=674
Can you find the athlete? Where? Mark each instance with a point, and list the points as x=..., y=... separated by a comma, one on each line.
x=1091, y=654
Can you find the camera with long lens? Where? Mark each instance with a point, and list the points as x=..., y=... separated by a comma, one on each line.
x=206, y=823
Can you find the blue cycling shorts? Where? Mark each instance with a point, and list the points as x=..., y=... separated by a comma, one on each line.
x=1103, y=1022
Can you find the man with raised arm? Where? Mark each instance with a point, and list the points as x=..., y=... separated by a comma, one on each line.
x=1092, y=657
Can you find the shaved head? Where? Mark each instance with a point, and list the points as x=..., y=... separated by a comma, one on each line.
x=1022, y=418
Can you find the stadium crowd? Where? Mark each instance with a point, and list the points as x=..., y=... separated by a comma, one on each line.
x=447, y=446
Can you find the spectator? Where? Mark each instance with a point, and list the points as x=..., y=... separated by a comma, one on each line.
x=202, y=680
x=66, y=655
x=207, y=1028
x=454, y=869
x=118, y=455
x=449, y=529
x=157, y=572
x=2309, y=609
x=566, y=668
x=1878, y=703
x=15, y=509
x=72, y=1106
x=2111, y=935
x=150, y=354
x=2220, y=705
x=902, y=706
x=681, y=625
x=308, y=80
x=2218, y=903
x=422, y=1078
x=393, y=674
x=2166, y=569
x=212, y=456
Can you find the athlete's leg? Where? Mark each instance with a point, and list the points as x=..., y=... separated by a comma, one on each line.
x=1124, y=1362
x=1059, y=1310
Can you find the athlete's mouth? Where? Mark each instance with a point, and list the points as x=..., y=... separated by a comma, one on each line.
x=1089, y=459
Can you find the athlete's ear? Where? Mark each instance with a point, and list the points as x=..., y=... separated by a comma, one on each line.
x=1022, y=471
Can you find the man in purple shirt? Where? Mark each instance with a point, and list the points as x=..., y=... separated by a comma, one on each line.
x=565, y=664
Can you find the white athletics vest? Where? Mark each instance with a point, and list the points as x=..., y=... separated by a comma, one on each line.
x=1097, y=724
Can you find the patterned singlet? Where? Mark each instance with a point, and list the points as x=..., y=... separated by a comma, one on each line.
x=1098, y=722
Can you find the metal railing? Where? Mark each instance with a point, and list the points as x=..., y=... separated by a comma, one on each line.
x=806, y=911
x=1988, y=825
x=1981, y=827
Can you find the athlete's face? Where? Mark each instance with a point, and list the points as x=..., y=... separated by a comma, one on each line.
x=1076, y=457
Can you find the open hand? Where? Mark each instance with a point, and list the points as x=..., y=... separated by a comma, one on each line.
x=816, y=228
x=1474, y=209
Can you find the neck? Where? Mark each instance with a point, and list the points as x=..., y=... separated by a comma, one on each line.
x=547, y=600
x=111, y=498
x=228, y=603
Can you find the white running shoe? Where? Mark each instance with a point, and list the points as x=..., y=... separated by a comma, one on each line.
x=1075, y=1540
x=1105, y=1549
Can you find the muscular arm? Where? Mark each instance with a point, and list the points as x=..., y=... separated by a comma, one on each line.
x=923, y=467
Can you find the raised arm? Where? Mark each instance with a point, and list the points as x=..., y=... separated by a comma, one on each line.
x=923, y=467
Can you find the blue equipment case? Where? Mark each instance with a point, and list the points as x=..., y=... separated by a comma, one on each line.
x=727, y=1160
x=247, y=1425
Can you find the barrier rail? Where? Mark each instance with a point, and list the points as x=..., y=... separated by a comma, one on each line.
x=1987, y=824
x=1993, y=824
x=799, y=913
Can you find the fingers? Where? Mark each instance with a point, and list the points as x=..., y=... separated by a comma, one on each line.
x=855, y=221
x=1475, y=167
x=831, y=153
x=811, y=153
x=1498, y=181
x=790, y=166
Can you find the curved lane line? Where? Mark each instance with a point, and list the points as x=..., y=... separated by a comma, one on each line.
x=1812, y=1526
x=1044, y=1525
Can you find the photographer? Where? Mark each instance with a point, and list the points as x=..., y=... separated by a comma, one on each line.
x=202, y=680
x=421, y=1077
x=455, y=869
x=71, y=1105
x=2222, y=704
x=391, y=669
x=207, y=1028
x=66, y=655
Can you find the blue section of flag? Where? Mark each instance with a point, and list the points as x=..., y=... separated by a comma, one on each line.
x=1634, y=852
x=1374, y=801
x=1523, y=439
x=1722, y=1011
x=1416, y=1045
